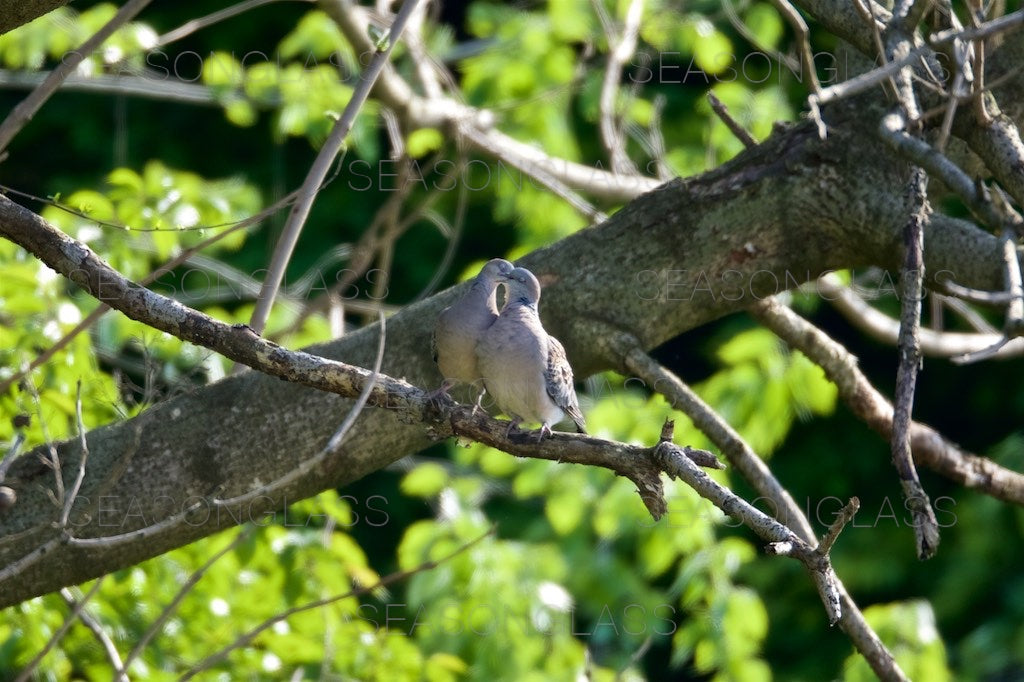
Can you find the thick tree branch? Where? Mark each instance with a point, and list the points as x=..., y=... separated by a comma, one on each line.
x=777, y=215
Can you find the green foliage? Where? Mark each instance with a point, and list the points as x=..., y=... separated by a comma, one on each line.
x=908, y=629
x=53, y=35
x=765, y=388
x=575, y=570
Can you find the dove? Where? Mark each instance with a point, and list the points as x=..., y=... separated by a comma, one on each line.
x=523, y=367
x=460, y=325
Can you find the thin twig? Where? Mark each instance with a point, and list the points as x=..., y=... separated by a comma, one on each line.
x=803, y=35
x=886, y=329
x=845, y=515
x=12, y=452
x=27, y=108
x=868, y=80
x=155, y=627
x=620, y=49
x=1014, y=325
x=59, y=633
x=919, y=152
x=190, y=27
x=318, y=171
x=993, y=298
x=1003, y=24
x=100, y=634
x=215, y=658
x=70, y=501
x=751, y=37
x=732, y=124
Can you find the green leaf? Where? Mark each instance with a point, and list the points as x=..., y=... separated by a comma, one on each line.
x=563, y=511
x=93, y=204
x=422, y=141
x=426, y=480
x=764, y=22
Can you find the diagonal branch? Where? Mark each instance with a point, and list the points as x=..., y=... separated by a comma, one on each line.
x=321, y=165
x=477, y=126
x=930, y=448
x=798, y=538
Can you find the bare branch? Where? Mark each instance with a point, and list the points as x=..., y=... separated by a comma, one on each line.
x=1014, y=326
x=930, y=448
x=190, y=27
x=621, y=48
x=739, y=453
x=100, y=634
x=838, y=604
x=803, y=36
x=318, y=171
x=477, y=126
x=732, y=124
x=938, y=165
x=883, y=328
x=70, y=501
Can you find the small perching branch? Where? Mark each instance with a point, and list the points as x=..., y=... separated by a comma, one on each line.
x=27, y=108
x=239, y=343
x=321, y=165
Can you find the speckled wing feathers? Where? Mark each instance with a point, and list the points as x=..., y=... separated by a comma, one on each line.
x=558, y=376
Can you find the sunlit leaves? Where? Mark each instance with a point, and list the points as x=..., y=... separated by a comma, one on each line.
x=909, y=630
x=765, y=389
x=53, y=36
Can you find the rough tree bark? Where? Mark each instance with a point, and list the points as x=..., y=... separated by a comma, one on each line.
x=14, y=13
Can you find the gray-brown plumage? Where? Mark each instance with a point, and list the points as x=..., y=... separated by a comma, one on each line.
x=523, y=367
x=460, y=325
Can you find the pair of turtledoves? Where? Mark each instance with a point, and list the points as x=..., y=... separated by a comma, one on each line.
x=522, y=366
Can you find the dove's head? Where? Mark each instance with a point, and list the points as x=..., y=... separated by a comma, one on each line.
x=523, y=287
x=494, y=271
